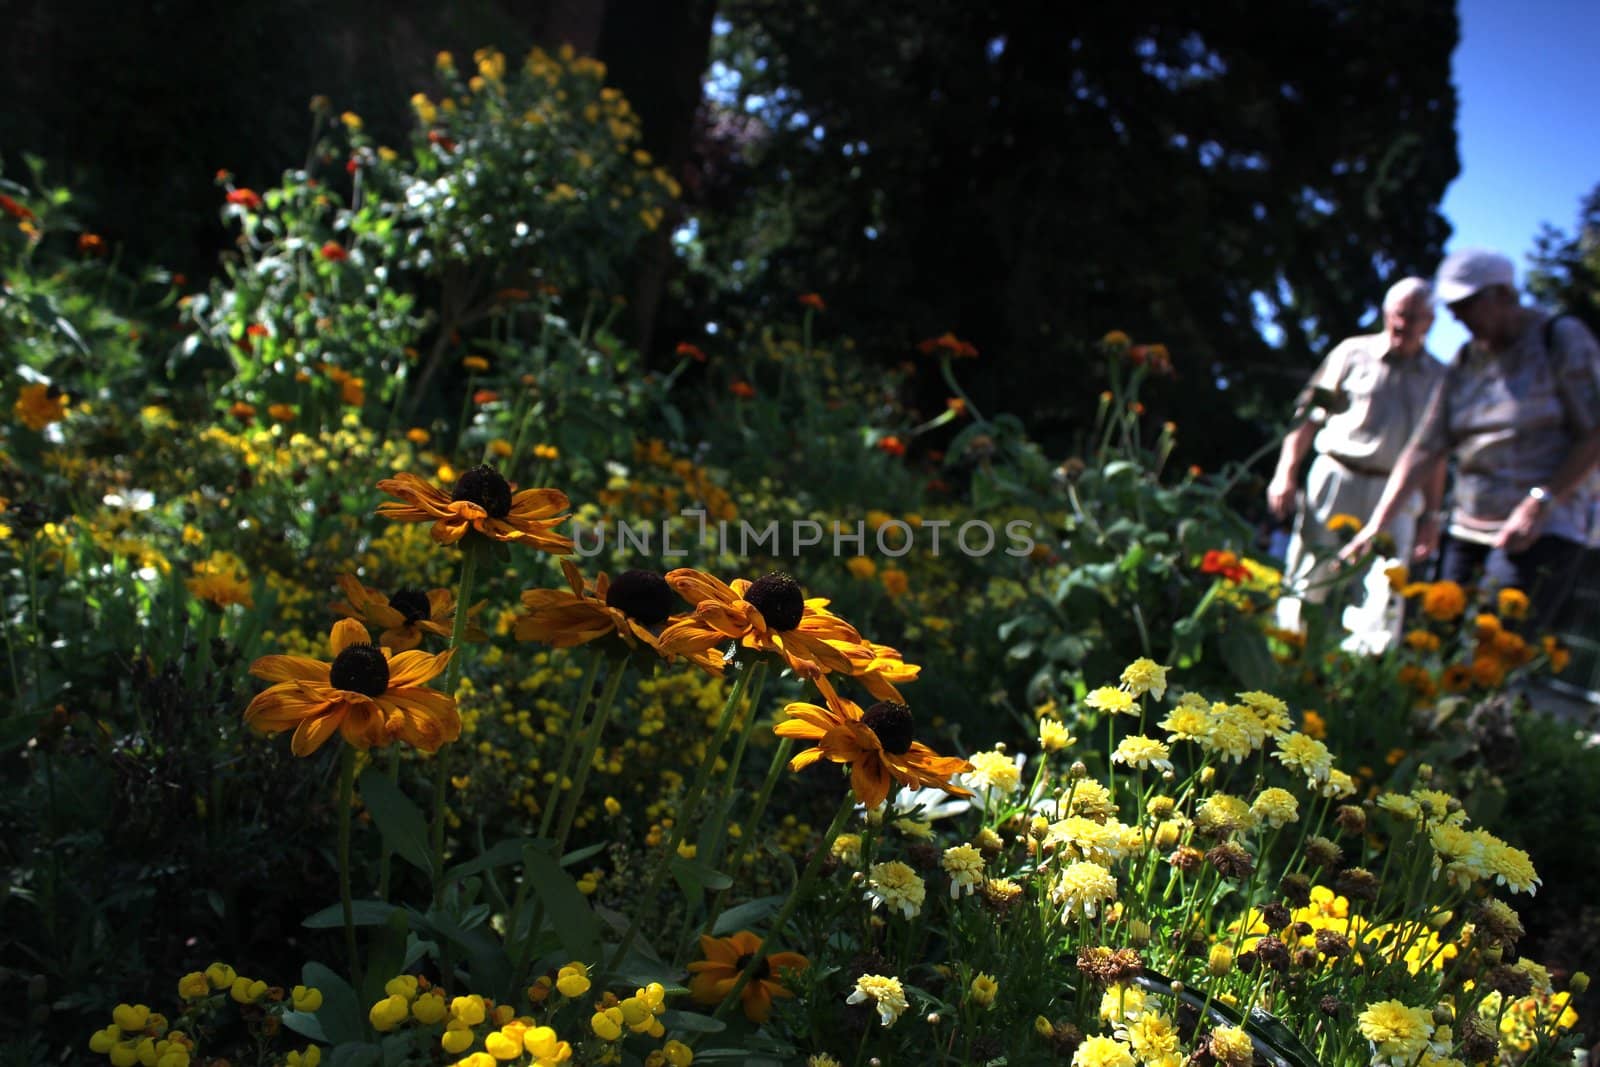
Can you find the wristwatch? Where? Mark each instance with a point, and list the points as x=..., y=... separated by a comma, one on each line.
x=1540, y=495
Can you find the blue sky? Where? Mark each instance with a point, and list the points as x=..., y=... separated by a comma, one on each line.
x=1528, y=79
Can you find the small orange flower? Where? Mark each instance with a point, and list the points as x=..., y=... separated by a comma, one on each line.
x=241, y=410
x=281, y=412
x=726, y=958
x=947, y=345
x=485, y=396
x=91, y=244
x=38, y=405
x=813, y=301
x=743, y=389
x=474, y=364
x=248, y=199
x=891, y=445
x=956, y=404
x=1512, y=602
x=686, y=350
x=334, y=252
x=481, y=500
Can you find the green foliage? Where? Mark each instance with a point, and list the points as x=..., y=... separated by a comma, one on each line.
x=1028, y=174
x=517, y=186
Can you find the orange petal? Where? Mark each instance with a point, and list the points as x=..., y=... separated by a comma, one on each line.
x=698, y=586
x=408, y=670
x=290, y=669
x=313, y=732
x=347, y=632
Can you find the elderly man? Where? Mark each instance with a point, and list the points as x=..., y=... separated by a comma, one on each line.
x=1519, y=410
x=1358, y=412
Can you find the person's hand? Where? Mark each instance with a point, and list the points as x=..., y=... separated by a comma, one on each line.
x=1521, y=528
x=1359, y=545
x=1280, y=496
x=1427, y=540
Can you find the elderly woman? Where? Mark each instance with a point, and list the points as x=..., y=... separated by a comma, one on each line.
x=1519, y=411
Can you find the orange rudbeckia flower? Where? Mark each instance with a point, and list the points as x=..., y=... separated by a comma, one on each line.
x=406, y=615
x=726, y=958
x=771, y=614
x=634, y=607
x=482, y=500
x=369, y=694
x=877, y=743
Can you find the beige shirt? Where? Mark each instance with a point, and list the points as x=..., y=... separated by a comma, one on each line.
x=1380, y=397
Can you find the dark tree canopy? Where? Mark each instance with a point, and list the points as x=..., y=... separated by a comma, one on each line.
x=1029, y=171
x=1566, y=269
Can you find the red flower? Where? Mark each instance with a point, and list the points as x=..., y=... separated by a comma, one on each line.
x=352, y=165
x=947, y=344
x=91, y=244
x=241, y=410
x=1224, y=564
x=742, y=388
x=254, y=330
x=891, y=445
x=245, y=198
x=688, y=351
x=813, y=301
x=335, y=251
x=485, y=396
x=14, y=209
x=435, y=137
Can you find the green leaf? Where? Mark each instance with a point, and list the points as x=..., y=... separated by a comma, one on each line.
x=578, y=855
x=695, y=877
x=746, y=915
x=1247, y=656
x=355, y=1055
x=399, y=820
x=340, y=1016
x=15, y=730
x=500, y=854
x=566, y=908
x=673, y=1019
x=363, y=913
x=486, y=958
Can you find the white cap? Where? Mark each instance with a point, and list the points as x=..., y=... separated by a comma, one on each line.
x=1469, y=271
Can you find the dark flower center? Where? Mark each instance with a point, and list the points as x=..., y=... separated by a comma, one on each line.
x=360, y=669
x=483, y=486
x=763, y=969
x=779, y=599
x=643, y=596
x=413, y=604
x=893, y=724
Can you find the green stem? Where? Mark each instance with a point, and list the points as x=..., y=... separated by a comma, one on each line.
x=573, y=733
x=719, y=827
x=347, y=789
x=385, y=860
x=685, y=813
x=471, y=547
x=586, y=757
x=949, y=376
x=780, y=759
x=770, y=942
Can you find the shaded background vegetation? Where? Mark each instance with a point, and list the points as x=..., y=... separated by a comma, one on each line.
x=1026, y=174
